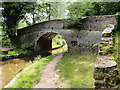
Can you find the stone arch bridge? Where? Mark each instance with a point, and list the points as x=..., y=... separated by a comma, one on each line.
x=78, y=40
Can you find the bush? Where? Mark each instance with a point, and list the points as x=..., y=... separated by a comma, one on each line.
x=6, y=42
x=73, y=23
x=28, y=46
x=117, y=16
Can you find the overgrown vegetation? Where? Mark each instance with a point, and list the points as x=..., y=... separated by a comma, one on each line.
x=6, y=42
x=27, y=46
x=117, y=15
x=76, y=70
x=32, y=75
x=16, y=51
x=117, y=50
x=117, y=46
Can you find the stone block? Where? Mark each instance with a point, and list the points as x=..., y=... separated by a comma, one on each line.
x=114, y=72
x=99, y=83
x=106, y=39
x=106, y=35
x=102, y=52
x=98, y=70
x=99, y=76
x=109, y=69
x=106, y=57
x=105, y=64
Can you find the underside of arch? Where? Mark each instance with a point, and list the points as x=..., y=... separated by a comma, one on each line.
x=46, y=44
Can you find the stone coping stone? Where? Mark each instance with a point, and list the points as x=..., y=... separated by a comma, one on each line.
x=105, y=64
x=106, y=57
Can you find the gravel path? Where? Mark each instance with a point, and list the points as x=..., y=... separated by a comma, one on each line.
x=49, y=75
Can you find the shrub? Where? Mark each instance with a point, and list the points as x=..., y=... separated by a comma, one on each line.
x=117, y=16
x=6, y=41
x=28, y=46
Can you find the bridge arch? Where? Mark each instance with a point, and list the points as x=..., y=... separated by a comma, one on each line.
x=50, y=43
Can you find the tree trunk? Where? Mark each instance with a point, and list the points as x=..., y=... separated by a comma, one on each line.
x=49, y=12
x=13, y=39
x=11, y=31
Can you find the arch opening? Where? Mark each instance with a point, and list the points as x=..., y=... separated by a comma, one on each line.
x=51, y=43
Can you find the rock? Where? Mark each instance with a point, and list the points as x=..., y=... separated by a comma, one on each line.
x=102, y=52
x=105, y=64
x=99, y=76
x=99, y=83
x=106, y=57
x=106, y=39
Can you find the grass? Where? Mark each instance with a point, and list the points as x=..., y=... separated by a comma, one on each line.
x=77, y=70
x=117, y=50
x=32, y=75
x=16, y=51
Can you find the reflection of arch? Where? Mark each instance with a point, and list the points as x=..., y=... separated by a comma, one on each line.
x=44, y=43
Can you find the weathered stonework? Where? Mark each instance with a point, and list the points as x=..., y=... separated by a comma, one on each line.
x=80, y=40
x=105, y=68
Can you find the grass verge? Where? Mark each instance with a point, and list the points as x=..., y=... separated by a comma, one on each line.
x=32, y=75
x=16, y=51
x=77, y=70
x=117, y=49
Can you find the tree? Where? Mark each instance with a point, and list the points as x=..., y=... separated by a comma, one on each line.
x=53, y=10
x=13, y=12
x=77, y=10
x=106, y=8
x=34, y=12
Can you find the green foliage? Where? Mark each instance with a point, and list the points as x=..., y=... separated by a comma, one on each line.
x=16, y=51
x=117, y=16
x=6, y=42
x=53, y=10
x=106, y=8
x=72, y=23
x=76, y=70
x=116, y=52
x=108, y=48
x=21, y=25
x=58, y=41
x=32, y=75
x=76, y=11
x=79, y=9
x=37, y=58
x=14, y=12
x=28, y=46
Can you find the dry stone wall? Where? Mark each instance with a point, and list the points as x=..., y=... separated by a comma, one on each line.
x=105, y=68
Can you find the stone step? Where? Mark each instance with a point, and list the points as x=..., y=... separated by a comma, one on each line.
x=108, y=48
x=106, y=43
x=102, y=52
x=107, y=30
x=106, y=57
x=106, y=39
x=106, y=35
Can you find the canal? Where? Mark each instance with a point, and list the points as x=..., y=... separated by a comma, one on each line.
x=10, y=68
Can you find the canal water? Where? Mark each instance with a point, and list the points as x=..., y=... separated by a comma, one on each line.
x=9, y=69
